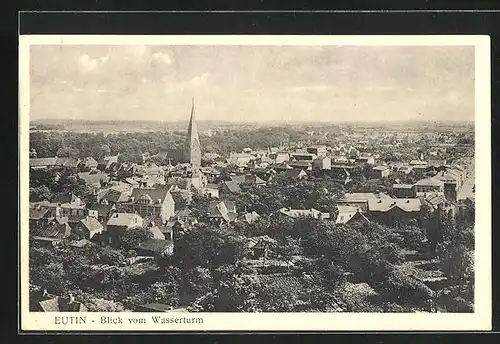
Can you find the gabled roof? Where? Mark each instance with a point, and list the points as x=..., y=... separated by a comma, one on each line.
x=435, y=198
x=37, y=214
x=295, y=213
x=409, y=204
x=37, y=162
x=155, y=245
x=91, y=224
x=300, y=163
x=218, y=210
x=429, y=182
x=115, y=196
x=233, y=187
x=154, y=194
x=250, y=217
x=122, y=219
x=295, y=173
x=59, y=304
x=402, y=186
x=380, y=168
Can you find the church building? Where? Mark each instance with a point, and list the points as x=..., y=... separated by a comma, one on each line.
x=192, y=148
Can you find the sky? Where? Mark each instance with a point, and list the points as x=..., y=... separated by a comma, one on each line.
x=252, y=83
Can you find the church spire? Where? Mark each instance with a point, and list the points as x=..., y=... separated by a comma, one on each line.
x=192, y=146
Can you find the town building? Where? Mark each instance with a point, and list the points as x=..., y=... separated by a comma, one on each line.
x=148, y=202
x=192, y=147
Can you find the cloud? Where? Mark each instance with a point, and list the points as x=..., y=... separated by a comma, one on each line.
x=196, y=83
x=160, y=58
x=86, y=63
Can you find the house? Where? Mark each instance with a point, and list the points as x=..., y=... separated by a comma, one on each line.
x=230, y=186
x=298, y=213
x=451, y=184
x=349, y=214
x=428, y=185
x=155, y=225
x=43, y=213
x=406, y=169
x=72, y=206
x=322, y=163
x=379, y=172
x=404, y=190
x=361, y=200
x=155, y=248
x=398, y=210
x=122, y=221
x=87, y=228
x=106, y=163
x=51, y=303
x=212, y=190
x=280, y=167
x=239, y=159
x=303, y=157
x=435, y=200
x=43, y=163
x=221, y=212
x=260, y=245
x=113, y=196
x=318, y=150
x=58, y=229
x=149, y=201
x=366, y=160
x=102, y=211
x=94, y=178
x=88, y=164
x=279, y=157
x=253, y=179
x=340, y=174
x=295, y=174
x=248, y=217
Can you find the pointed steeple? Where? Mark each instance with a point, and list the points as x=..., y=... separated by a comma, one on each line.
x=192, y=147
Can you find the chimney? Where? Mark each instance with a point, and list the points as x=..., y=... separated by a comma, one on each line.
x=159, y=200
x=45, y=292
x=71, y=298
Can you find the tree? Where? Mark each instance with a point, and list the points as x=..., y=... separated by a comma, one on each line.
x=40, y=193
x=130, y=238
x=199, y=281
x=111, y=256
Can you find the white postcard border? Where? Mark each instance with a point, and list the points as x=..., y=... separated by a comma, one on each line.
x=479, y=320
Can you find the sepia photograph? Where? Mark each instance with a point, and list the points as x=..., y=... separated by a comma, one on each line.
x=169, y=180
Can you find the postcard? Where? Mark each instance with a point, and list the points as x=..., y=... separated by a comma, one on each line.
x=254, y=183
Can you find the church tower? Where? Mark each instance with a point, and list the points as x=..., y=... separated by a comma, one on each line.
x=192, y=148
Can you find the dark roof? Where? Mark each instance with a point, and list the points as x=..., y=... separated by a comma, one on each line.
x=155, y=194
x=233, y=187
x=294, y=173
x=238, y=179
x=57, y=231
x=59, y=304
x=283, y=282
x=300, y=163
x=115, y=196
x=180, y=196
x=37, y=214
x=35, y=162
x=155, y=245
